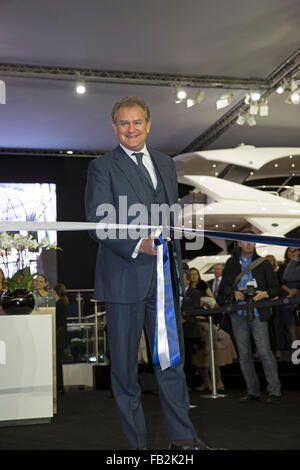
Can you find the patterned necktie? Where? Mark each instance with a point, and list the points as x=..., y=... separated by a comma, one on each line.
x=216, y=286
x=139, y=158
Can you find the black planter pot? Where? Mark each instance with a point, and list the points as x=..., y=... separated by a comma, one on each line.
x=19, y=302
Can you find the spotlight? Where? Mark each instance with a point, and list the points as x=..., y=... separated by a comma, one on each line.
x=180, y=95
x=80, y=88
x=295, y=98
x=255, y=95
x=280, y=90
x=251, y=121
x=197, y=98
x=240, y=120
x=224, y=101
x=247, y=99
x=293, y=85
x=253, y=109
x=264, y=109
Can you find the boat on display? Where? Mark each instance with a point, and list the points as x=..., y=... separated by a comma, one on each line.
x=238, y=189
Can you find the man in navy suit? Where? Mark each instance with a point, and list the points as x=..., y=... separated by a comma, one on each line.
x=125, y=275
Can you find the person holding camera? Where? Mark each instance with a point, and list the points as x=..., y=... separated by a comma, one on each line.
x=248, y=278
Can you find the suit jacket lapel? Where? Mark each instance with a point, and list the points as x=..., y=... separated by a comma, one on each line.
x=127, y=166
x=164, y=172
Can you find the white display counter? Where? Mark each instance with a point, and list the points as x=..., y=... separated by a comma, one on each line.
x=26, y=376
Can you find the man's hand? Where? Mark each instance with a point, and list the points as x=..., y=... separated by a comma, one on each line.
x=292, y=292
x=239, y=295
x=147, y=245
x=260, y=295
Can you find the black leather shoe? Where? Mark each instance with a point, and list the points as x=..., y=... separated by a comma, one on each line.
x=197, y=445
x=248, y=398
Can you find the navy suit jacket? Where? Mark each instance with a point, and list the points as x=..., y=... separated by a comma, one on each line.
x=119, y=277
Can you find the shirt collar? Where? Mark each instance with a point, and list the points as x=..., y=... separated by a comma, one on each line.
x=130, y=152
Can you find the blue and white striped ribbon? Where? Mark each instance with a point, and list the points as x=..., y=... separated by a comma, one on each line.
x=166, y=344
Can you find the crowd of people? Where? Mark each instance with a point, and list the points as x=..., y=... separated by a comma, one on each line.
x=248, y=333
x=245, y=334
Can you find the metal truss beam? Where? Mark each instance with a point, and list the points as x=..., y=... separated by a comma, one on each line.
x=126, y=77
x=286, y=71
x=6, y=152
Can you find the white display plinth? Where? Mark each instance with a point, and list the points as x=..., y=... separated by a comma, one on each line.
x=26, y=388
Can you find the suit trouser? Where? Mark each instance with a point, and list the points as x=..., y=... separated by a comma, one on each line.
x=125, y=323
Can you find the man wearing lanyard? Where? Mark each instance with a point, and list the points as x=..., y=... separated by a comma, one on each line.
x=126, y=272
x=263, y=284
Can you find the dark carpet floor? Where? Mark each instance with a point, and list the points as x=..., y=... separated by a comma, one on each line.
x=87, y=420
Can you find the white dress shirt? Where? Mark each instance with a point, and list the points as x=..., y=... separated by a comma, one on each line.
x=147, y=162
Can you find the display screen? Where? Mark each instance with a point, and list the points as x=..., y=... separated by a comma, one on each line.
x=30, y=202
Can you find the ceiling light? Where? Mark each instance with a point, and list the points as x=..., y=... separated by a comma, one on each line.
x=255, y=95
x=240, y=120
x=264, y=110
x=253, y=109
x=295, y=98
x=80, y=88
x=2, y=92
x=247, y=99
x=181, y=95
x=251, y=121
x=280, y=89
x=293, y=85
x=224, y=101
x=197, y=98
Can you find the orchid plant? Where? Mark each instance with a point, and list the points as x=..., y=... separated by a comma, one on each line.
x=22, y=245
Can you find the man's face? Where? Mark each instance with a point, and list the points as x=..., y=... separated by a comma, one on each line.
x=247, y=248
x=131, y=127
x=218, y=269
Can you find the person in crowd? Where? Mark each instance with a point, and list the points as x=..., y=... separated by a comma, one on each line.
x=224, y=353
x=190, y=304
x=197, y=283
x=220, y=319
x=290, y=287
x=214, y=283
x=61, y=332
x=126, y=274
x=41, y=285
x=291, y=276
x=276, y=325
x=247, y=277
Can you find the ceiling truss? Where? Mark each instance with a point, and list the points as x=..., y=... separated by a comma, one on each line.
x=285, y=71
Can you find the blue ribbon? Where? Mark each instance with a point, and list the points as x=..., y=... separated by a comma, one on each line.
x=170, y=318
x=236, y=236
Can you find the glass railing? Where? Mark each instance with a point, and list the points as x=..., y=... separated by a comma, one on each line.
x=86, y=328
